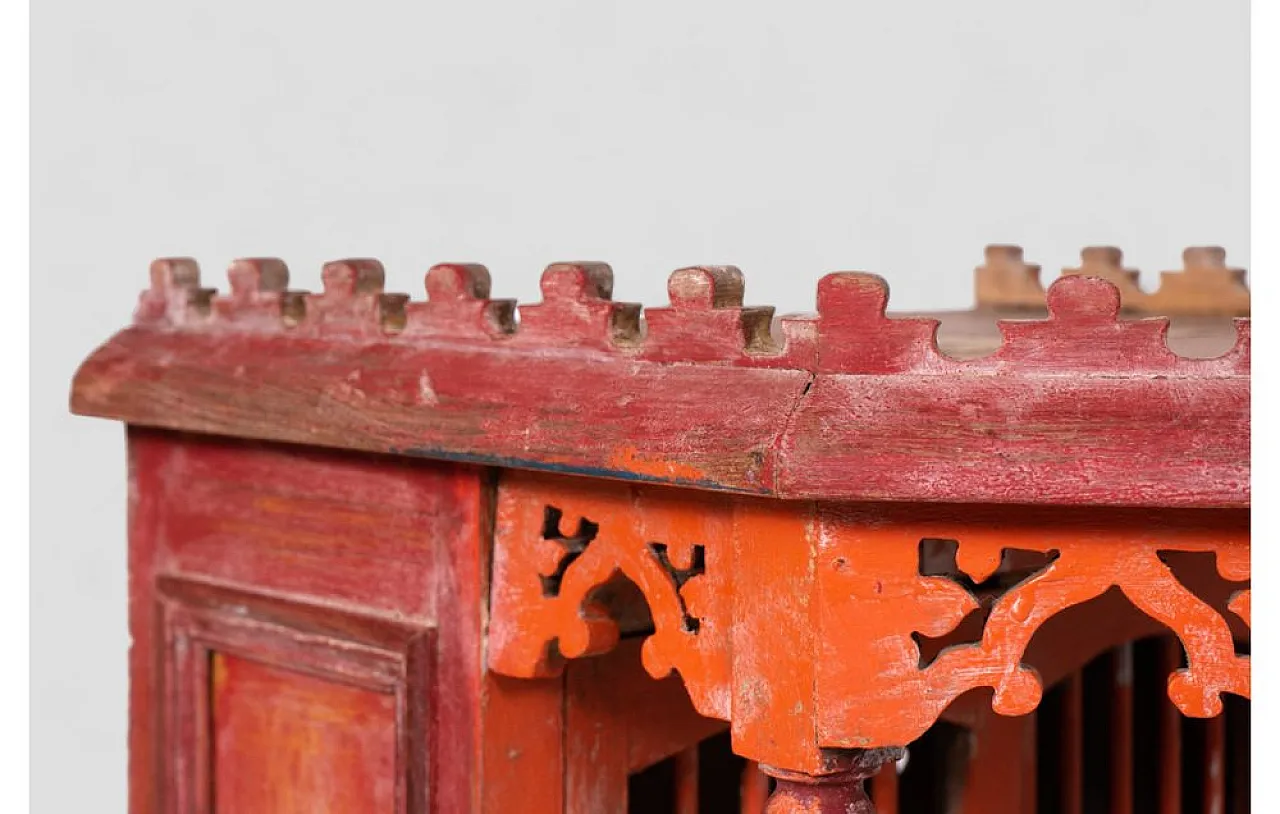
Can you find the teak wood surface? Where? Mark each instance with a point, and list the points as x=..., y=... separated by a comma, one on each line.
x=414, y=556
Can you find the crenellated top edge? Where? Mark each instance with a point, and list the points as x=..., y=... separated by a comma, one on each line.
x=1204, y=286
x=707, y=322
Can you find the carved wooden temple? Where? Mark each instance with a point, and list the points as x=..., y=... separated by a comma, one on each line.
x=456, y=555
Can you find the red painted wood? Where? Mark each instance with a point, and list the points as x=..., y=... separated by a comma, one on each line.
x=146, y=509
x=884, y=790
x=686, y=782
x=754, y=793
x=330, y=582
x=1215, y=765
x=841, y=790
x=1170, y=791
x=1076, y=409
x=1122, y=730
x=1073, y=745
x=292, y=744
x=203, y=623
x=359, y=542
x=1000, y=777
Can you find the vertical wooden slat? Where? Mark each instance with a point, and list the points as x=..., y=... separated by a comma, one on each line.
x=1170, y=655
x=1238, y=732
x=1029, y=789
x=1215, y=765
x=686, y=765
x=1001, y=771
x=595, y=746
x=1122, y=730
x=755, y=789
x=884, y=789
x=1073, y=745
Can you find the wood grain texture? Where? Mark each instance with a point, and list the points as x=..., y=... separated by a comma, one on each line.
x=389, y=541
x=1080, y=408
x=1204, y=286
x=291, y=674
x=292, y=744
x=618, y=722
x=1015, y=426
x=806, y=626
x=818, y=626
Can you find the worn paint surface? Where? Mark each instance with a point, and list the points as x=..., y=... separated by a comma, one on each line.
x=259, y=570
x=1079, y=408
x=812, y=637
x=276, y=591
x=323, y=568
x=291, y=744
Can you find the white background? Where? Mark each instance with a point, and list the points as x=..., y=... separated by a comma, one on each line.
x=789, y=139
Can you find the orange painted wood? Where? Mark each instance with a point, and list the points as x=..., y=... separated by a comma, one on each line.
x=542, y=637
x=523, y=755
x=292, y=744
x=619, y=721
x=801, y=576
x=595, y=776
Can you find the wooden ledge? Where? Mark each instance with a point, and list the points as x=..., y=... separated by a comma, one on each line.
x=1075, y=403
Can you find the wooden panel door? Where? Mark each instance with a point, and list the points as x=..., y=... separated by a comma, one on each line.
x=281, y=707
x=307, y=616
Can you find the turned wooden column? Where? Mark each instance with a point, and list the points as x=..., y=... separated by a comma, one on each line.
x=842, y=792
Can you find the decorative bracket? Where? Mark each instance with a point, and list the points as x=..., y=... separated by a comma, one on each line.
x=801, y=624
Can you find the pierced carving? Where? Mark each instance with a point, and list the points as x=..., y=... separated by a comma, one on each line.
x=572, y=546
x=681, y=575
x=879, y=617
x=870, y=571
x=549, y=580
